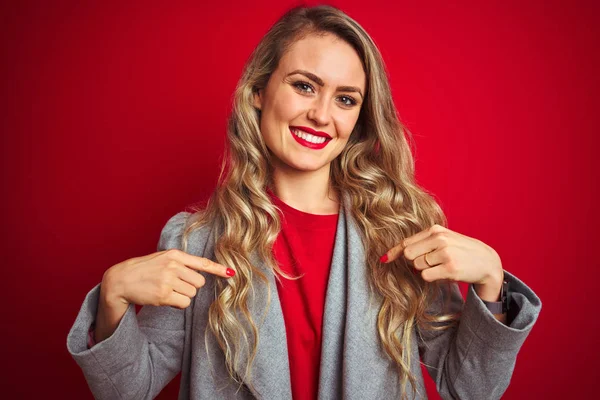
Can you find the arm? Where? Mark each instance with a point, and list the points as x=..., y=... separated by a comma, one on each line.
x=476, y=359
x=490, y=292
x=110, y=312
x=143, y=353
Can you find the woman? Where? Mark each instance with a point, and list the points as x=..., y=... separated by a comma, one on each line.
x=325, y=270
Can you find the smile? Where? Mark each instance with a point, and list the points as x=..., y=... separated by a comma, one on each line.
x=309, y=140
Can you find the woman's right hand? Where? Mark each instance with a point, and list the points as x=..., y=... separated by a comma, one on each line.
x=165, y=278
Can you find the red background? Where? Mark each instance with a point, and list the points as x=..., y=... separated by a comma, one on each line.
x=113, y=119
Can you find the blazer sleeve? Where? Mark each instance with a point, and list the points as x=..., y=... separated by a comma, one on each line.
x=144, y=353
x=476, y=358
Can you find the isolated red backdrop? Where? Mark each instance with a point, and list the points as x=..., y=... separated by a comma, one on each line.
x=113, y=119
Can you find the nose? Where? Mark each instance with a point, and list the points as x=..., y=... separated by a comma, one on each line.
x=319, y=111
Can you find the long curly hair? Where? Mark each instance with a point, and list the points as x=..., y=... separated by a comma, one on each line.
x=376, y=171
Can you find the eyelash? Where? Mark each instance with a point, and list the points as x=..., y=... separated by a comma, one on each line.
x=302, y=83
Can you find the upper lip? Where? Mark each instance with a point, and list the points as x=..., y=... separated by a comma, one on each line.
x=311, y=131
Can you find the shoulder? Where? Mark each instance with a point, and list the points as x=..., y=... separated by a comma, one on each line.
x=172, y=233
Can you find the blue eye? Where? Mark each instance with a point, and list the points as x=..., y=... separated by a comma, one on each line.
x=349, y=100
x=303, y=86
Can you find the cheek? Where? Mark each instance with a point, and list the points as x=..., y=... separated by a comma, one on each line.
x=285, y=107
x=346, y=126
x=278, y=112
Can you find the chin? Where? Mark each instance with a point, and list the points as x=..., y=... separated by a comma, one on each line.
x=305, y=166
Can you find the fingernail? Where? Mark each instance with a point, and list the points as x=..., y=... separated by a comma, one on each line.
x=230, y=272
x=383, y=258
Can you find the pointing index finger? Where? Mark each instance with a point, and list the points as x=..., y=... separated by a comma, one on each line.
x=396, y=251
x=204, y=265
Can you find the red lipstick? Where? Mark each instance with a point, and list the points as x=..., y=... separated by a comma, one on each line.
x=312, y=131
x=306, y=143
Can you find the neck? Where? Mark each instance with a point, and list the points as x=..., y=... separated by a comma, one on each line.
x=306, y=191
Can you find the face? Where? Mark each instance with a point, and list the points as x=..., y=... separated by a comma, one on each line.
x=316, y=93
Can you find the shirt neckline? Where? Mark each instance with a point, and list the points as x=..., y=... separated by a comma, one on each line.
x=302, y=218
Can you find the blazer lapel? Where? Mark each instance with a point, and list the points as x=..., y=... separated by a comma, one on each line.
x=270, y=374
x=353, y=365
x=334, y=318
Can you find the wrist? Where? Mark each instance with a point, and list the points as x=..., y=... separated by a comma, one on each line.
x=111, y=290
x=489, y=290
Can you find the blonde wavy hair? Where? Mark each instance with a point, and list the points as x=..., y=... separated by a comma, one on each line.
x=376, y=171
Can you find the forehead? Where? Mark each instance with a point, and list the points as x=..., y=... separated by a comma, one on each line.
x=327, y=56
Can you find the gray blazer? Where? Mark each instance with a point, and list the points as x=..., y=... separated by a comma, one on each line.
x=473, y=361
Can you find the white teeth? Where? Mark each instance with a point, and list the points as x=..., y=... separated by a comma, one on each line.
x=308, y=137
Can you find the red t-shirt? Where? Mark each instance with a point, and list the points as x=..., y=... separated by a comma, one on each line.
x=304, y=245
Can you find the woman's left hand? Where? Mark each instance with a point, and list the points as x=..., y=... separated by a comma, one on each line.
x=440, y=253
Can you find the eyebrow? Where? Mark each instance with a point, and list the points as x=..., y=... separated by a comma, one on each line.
x=320, y=82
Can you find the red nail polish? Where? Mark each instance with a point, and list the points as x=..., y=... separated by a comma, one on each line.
x=230, y=272
x=383, y=258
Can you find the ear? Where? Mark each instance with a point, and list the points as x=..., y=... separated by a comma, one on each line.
x=258, y=99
